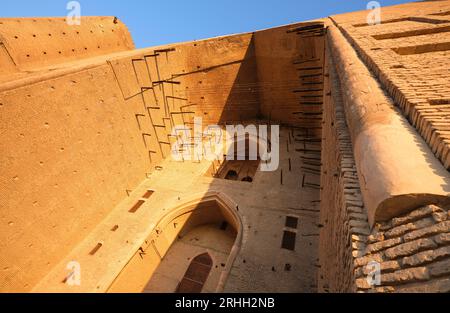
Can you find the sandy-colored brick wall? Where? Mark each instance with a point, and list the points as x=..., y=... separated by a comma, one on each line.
x=70, y=150
x=413, y=252
x=77, y=140
x=289, y=66
x=343, y=218
x=85, y=119
x=408, y=53
x=40, y=42
x=217, y=79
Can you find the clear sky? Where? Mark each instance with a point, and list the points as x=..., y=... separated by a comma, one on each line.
x=155, y=22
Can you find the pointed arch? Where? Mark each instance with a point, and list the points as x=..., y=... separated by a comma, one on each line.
x=196, y=274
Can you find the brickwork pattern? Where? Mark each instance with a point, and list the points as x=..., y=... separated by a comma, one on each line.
x=409, y=54
x=413, y=251
x=343, y=217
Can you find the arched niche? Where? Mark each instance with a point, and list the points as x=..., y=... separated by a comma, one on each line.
x=212, y=208
x=240, y=162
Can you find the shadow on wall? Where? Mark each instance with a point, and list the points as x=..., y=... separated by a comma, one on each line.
x=170, y=262
x=243, y=100
x=202, y=227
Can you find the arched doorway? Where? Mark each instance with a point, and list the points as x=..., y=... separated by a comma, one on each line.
x=196, y=274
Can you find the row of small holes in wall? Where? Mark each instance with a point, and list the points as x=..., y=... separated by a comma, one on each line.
x=138, y=204
x=133, y=209
x=53, y=20
x=63, y=33
x=49, y=20
x=73, y=50
x=60, y=52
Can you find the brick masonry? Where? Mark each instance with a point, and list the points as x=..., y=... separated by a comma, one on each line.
x=413, y=251
x=408, y=53
x=343, y=216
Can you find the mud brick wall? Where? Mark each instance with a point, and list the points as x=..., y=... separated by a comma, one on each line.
x=413, y=251
x=79, y=137
x=342, y=214
x=290, y=76
x=89, y=135
x=39, y=42
x=70, y=150
x=408, y=53
x=85, y=119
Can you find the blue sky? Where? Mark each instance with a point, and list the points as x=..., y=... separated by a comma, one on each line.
x=154, y=22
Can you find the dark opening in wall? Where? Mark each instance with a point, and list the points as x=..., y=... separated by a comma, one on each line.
x=196, y=274
x=291, y=222
x=136, y=206
x=231, y=175
x=440, y=101
x=404, y=19
x=247, y=179
x=288, y=241
x=240, y=162
x=412, y=33
x=224, y=225
x=96, y=248
x=239, y=170
x=148, y=194
x=425, y=48
x=441, y=13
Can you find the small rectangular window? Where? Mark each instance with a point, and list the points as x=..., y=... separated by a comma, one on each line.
x=288, y=241
x=291, y=222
